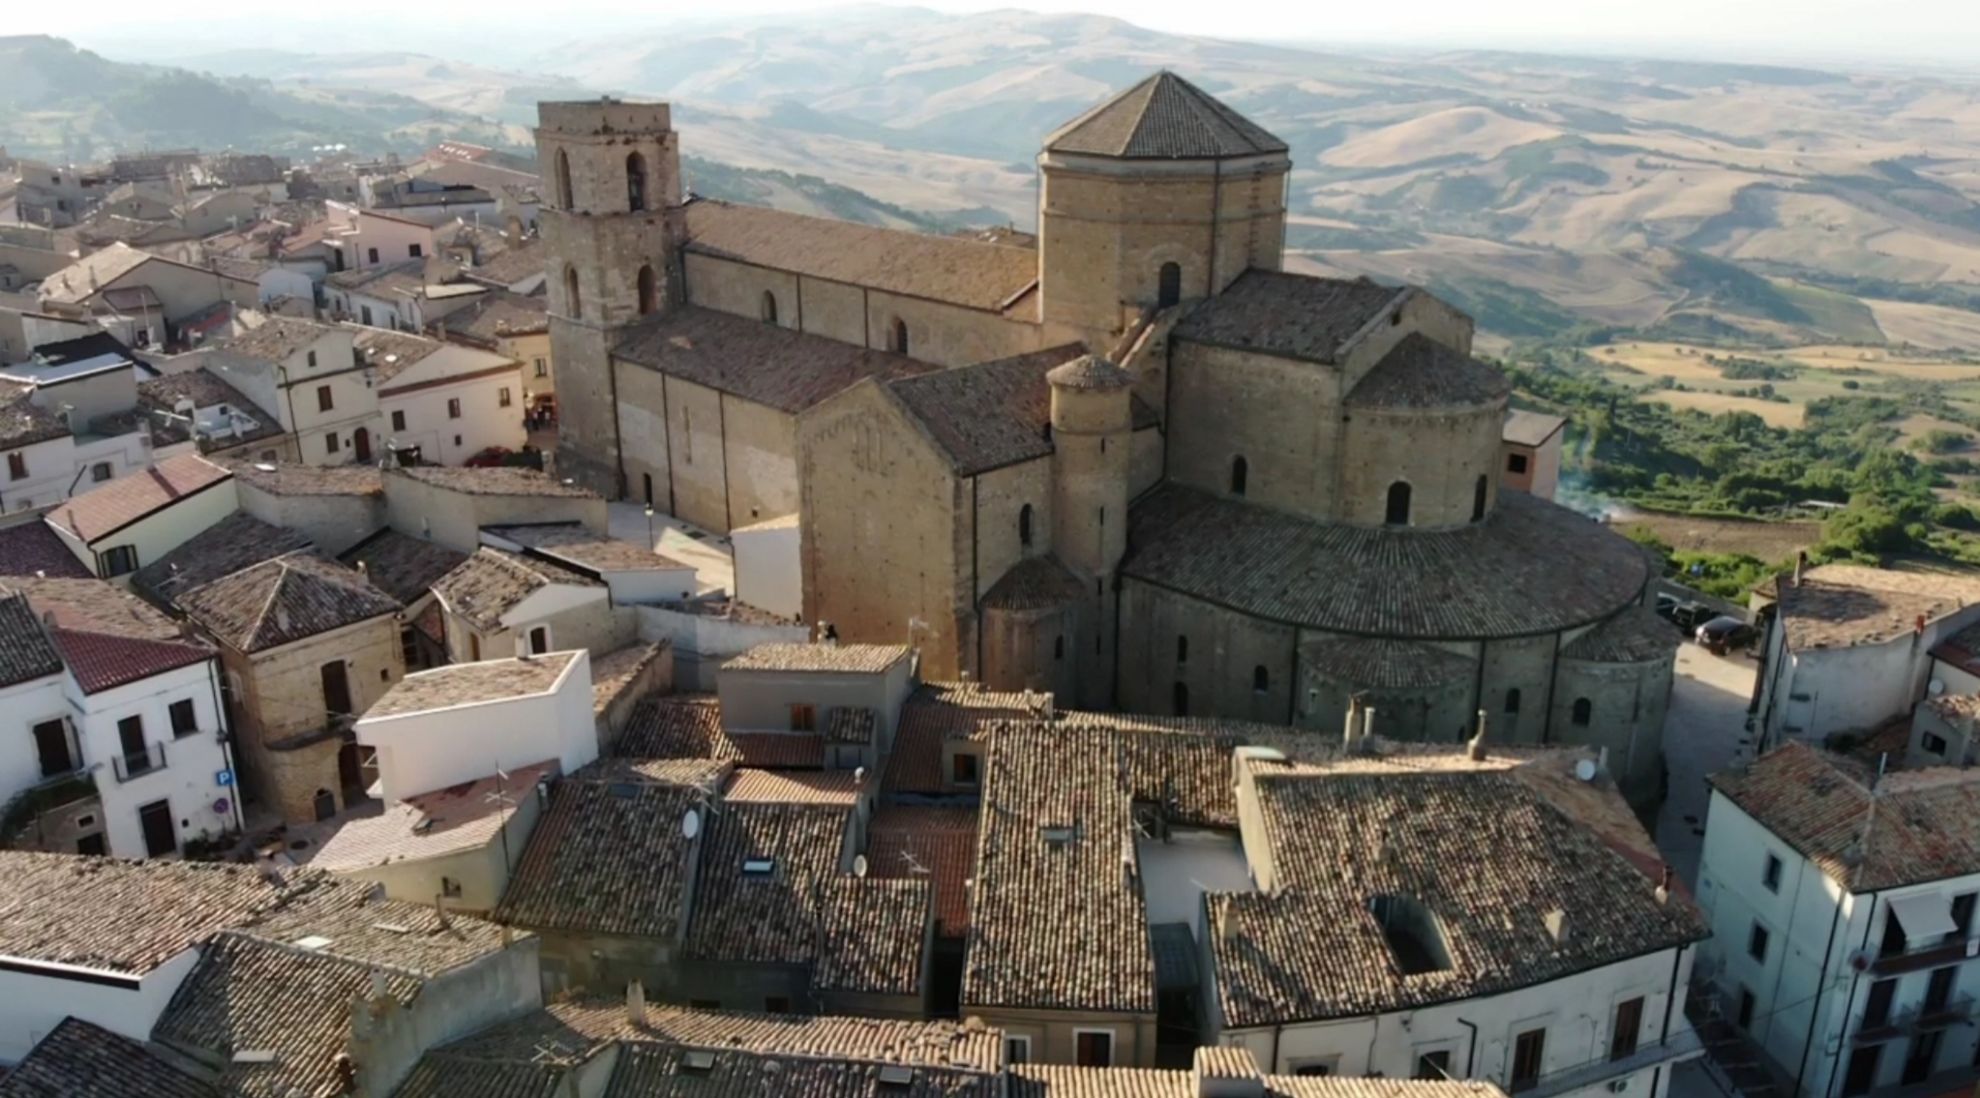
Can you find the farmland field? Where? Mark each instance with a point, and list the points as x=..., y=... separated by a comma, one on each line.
x=1806, y=373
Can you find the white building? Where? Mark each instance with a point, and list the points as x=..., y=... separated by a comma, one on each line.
x=1849, y=648
x=67, y=427
x=119, y=526
x=466, y=721
x=1845, y=945
x=1423, y=916
x=368, y=238
x=311, y=377
x=448, y=401
x=633, y=574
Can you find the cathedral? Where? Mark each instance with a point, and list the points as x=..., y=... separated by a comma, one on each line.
x=1133, y=461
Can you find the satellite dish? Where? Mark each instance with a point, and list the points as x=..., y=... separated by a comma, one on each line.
x=1936, y=687
x=690, y=824
x=859, y=865
x=1585, y=769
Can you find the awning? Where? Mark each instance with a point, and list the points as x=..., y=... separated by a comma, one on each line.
x=1925, y=916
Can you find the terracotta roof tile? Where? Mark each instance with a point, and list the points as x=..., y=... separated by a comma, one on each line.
x=1530, y=567
x=402, y=566
x=927, y=843
x=1837, y=605
x=571, y=543
x=284, y=600
x=988, y=415
x=938, y=711
x=969, y=273
x=1163, y=117
x=103, y=661
x=30, y=547
x=296, y=479
x=776, y=367
x=1524, y=428
x=497, y=480
x=431, y=825
x=78, y=1059
x=497, y=316
x=690, y=727
x=1371, y=663
x=822, y=658
x=870, y=935
x=278, y=337
x=1636, y=635
x=236, y=542
x=607, y=857
x=1034, y=583
x=1291, y=315
x=832, y=787
x=1419, y=372
x=105, y=510
x=474, y=683
x=22, y=421
x=492, y=582
x=747, y=910
x=26, y=653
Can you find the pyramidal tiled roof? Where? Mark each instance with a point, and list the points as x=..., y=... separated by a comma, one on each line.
x=283, y=600
x=1164, y=118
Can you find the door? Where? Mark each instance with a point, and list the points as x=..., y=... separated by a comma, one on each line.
x=1924, y=1053
x=539, y=640
x=51, y=743
x=130, y=739
x=336, y=689
x=1862, y=1071
x=160, y=836
x=361, y=442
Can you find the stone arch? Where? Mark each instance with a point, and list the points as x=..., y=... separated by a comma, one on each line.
x=563, y=170
x=1584, y=712
x=649, y=290
x=635, y=182
x=1512, y=700
x=1479, y=490
x=769, y=307
x=1261, y=679
x=897, y=336
x=1179, y=697
x=1168, y=284
x=1397, y=513
x=573, y=298
x=1024, y=525
x=1240, y=473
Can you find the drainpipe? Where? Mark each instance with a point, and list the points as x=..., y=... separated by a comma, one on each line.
x=1822, y=978
x=1836, y=1060
x=1471, y=1054
x=226, y=743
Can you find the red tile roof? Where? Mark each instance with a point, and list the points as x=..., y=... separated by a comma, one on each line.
x=31, y=547
x=927, y=843
x=103, y=511
x=100, y=661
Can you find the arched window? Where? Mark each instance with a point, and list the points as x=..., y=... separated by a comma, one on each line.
x=1261, y=679
x=897, y=340
x=1478, y=498
x=573, y=302
x=1182, y=699
x=1182, y=648
x=1024, y=525
x=1240, y=468
x=635, y=182
x=1059, y=647
x=649, y=290
x=1512, y=700
x=563, y=181
x=1168, y=288
x=1398, y=504
x=769, y=307
x=1584, y=711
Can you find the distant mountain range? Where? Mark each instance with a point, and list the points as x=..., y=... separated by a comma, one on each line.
x=1543, y=193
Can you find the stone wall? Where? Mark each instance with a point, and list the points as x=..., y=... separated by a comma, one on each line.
x=999, y=498
x=280, y=703
x=454, y=519
x=1443, y=456
x=1280, y=415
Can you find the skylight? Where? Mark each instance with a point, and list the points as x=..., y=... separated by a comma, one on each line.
x=1414, y=935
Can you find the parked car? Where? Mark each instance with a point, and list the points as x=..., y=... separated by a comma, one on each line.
x=1725, y=633
x=1691, y=615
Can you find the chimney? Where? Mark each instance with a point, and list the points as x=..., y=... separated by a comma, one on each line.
x=1227, y=1071
x=1351, y=734
x=1557, y=926
x=1919, y=625
x=1664, y=885
x=1800, y=566
x=636, y=1004
x=1475, y=750
x=440, y=911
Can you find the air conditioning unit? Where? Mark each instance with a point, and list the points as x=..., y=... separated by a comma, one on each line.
x=1617, y=1086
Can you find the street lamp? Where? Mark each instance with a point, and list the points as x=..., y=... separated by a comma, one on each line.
x=650, y=543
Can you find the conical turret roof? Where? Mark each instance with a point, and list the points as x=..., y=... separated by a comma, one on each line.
x=1164, y=118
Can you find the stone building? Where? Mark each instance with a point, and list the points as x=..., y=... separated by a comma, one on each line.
x=1136, y=463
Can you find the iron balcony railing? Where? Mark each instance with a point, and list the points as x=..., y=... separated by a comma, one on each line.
x=1685, y=1044
x=136, y=764
x=1914, y=1018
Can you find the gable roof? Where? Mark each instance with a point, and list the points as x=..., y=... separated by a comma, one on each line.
x=1839, y=605
x=26, y=653
x=1921, y=825
x=689, y=726
x=868, y=659
x=27, y=548
x=236, y=542
x=284, y=600
x=989, y=415
x=278, y=337
x=970, y=273
x=103, y=511
x=870, y=935
x=290, y=478
x=493, y=582
x=1164, y=117
x=82, y=1058
x=573, y=544
x=22, y=421
x=402, y=566
x=769, y=365
x=1291, y=315
x=497, y=316
x=107, y=637
x=80, y=280
x=766, y=917
x=472, y=683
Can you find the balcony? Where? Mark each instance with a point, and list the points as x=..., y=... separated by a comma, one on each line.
x=1682, y=1045
x=137, y=764
x=1955, y=947
x=1912, y=1019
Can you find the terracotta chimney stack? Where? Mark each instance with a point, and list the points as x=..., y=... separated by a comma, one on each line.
x=1475, y=750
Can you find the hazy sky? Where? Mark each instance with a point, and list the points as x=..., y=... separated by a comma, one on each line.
x=1834, y=29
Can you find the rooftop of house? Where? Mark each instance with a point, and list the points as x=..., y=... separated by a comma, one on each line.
x=160, y=398
x=236, y=542
x=444, y=822
x=862, y=659
x=497, y=316
x=384, y=280
x=22, y=421
x=969, y=273
x=284, y=600
x=390, y=353
x=105, y=510
x=107, y=637
x=30, y=548
x=278, y=337
x=1962, y=649
x=1397, y=887
x=762, y=864
x=572, y=543
x=995, y=413
x=1034, y=583
x=690, y=727
x=610, y=855
x=82, y=1058
x=1289, y=315
x=834, y=787
x=402, y=566
x=1375, y=663
x=929, y=843
x=871, y=933
x=939, y=711
x=1528, y=567
x=1922, y=825
x=1839, y=605
x=763, y=363
x=1071, y=1081
x=1419, y=372
x=477, y=683
x=616, y=673
x=492, y=582
x=26, y=653
x=1524, y=428
x=82, y=279
x=1164, y=117
x=512, y=266
x=1634, y=635
x=290, y=478
x=500, y=480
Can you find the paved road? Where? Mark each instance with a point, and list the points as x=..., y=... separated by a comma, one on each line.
x=1704, y=733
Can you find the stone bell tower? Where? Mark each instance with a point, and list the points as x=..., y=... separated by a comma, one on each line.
x=612, y=225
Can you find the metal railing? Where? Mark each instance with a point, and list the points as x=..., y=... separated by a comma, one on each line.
x=1682, y=1045
x=1913, y=1018
x=136, y=764
x=1957, y=946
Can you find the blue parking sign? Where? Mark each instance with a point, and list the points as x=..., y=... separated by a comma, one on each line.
x=223, y=778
